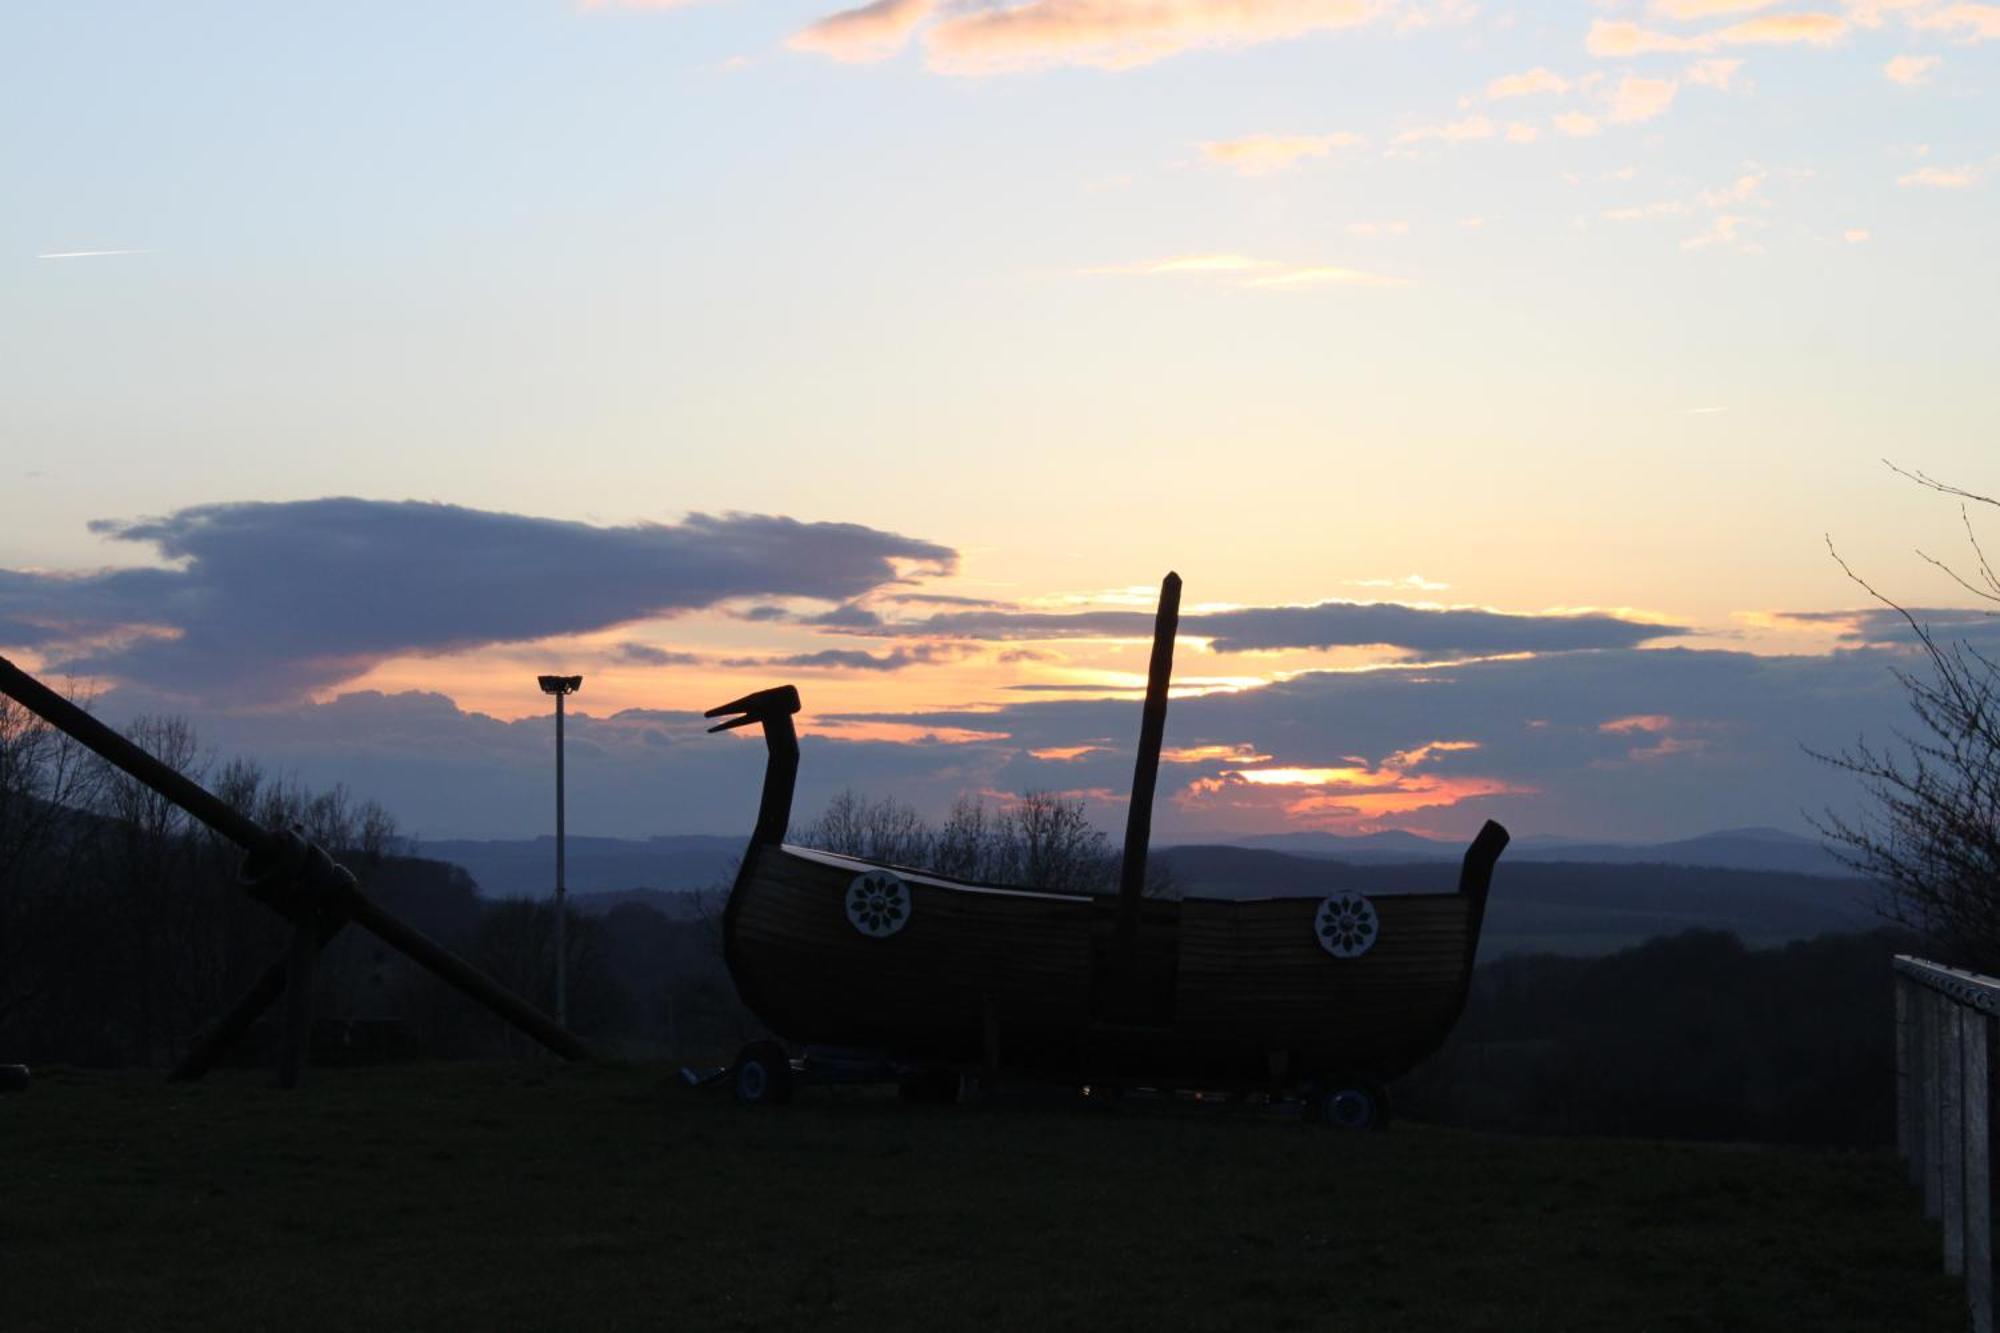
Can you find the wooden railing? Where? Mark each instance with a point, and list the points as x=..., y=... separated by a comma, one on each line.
x=1944, y=1042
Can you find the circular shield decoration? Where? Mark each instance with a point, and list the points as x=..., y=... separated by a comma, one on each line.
x=1346, y=925
x=878, y=903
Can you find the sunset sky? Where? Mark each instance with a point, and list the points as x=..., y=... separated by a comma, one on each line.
x=1493, y=375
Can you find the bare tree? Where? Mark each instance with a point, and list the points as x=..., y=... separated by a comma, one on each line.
x=45, y=777
x=884, y=830
x=122, y=928
x=1931, y=838
x=1039, y=839
x=1059, y=847
x=149, y=864
x=972, y=845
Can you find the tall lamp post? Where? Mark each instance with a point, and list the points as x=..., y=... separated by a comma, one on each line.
x=560, y=686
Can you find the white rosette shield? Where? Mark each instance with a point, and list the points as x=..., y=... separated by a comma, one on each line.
x=1346, y=925
x=878, y=904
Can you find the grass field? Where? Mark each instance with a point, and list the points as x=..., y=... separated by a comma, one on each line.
x=491, y=1197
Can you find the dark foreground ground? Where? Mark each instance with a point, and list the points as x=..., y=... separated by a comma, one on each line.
x=491, y=1197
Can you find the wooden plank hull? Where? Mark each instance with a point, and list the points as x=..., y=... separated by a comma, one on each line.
x=1211, y=992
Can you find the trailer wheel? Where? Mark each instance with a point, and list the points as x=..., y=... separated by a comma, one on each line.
x=763, y=1075
x=13, y=1078
x=1350, y=1104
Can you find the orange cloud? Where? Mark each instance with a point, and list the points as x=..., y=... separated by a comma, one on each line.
x=1456, y=131
x=1638, y=99
x=1208, y=754
x=1120, y=34
x=1782, y=29
x=1622, y=37
x=1910, y=70
x=1536, y=80
x=1706, y=9
x=1940, y=178
x=1738, y=191
x=872, y=32
x=1972, y=23
x=1653, y=722
x=1066, y=754
x=1668, y=737
x=1666, y=747
x=1266, y=154
x=1349, y=793
x=1101, y=34
x=1424, y=793
x=1610, y=37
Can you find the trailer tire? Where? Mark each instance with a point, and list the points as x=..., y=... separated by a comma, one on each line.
x=1349, y=1103
x=13, y=1078
x=762, y=1075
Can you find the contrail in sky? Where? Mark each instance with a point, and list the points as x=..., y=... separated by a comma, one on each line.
x=89, y=254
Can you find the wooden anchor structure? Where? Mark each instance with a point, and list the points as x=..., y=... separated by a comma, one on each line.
x=300, y=881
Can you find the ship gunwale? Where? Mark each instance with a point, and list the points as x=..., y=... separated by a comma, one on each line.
x=932, y=879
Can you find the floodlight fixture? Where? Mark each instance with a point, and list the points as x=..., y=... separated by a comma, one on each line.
x=559, y=685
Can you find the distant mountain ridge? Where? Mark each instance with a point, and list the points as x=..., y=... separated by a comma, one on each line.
x=1767, y=849
x=526, y=867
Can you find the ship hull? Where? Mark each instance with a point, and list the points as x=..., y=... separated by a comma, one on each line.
x=1204, y=992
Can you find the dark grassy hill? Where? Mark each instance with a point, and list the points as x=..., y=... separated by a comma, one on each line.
x=535, y=1197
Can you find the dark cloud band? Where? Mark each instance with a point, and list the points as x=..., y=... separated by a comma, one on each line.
x=277, y=599
x=1448, y=633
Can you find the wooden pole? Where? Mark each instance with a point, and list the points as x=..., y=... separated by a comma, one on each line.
x=1146, y=769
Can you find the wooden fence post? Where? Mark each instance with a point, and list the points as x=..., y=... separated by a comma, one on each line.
x=1978, y=1172
x=1920, y=1144
x=1947, y=1025
x=1933, y=1111
x=1952, y=1190
x=1905, y=1148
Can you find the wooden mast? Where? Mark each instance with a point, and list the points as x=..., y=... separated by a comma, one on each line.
x=1146, y=770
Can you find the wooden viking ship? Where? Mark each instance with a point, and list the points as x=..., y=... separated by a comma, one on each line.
x=1329, y=997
